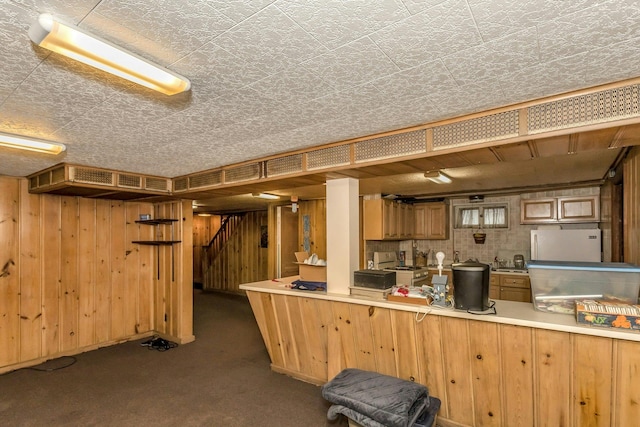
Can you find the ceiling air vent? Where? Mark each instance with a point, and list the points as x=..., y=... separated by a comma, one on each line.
x=180, y=184
x=391, y=146
x=475, y=131
x=157, y=184
x=247, y=172
x=207, y=179
x=604, y=106
x=91, y=176
x=129, y=181
x=284, y=165
x=339, y=155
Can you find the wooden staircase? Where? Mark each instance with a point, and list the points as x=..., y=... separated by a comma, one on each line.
x=234, y=254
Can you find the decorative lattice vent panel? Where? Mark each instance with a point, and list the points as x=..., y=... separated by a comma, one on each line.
x=207, y=179
x=91, y=176
x=329, y=157
x=598, y=107
x=242, y=173
x=475, y=131
x=388, y=147
x=57, y=175
x=129, y=181
x=33, y=182
x=284, y=165
x=180, y=184
x=157, y=184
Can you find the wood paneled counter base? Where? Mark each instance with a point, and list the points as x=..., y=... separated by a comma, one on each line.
x=518, y=368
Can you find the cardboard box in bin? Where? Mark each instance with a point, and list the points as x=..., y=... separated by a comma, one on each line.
x=309, y=272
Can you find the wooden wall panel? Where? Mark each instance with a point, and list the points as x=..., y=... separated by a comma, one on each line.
x=457, y=365
x=364, y=350
x=486, y=360
x=69, y=310
x=430, y=358
x=315, y=235
x=592, y=384
x=72, y=280
x=554, y=370
x=9, y=273
x=383, y=341
x=347, y=332
x=517, y=375
x=626, y=406
x=30, y=273
x=631, y=202
x=204, y=228
x=404, y=333
x=314, y=337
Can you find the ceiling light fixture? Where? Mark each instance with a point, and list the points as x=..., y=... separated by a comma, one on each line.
x=91, y=50
x=267, y=196
x=437, y=177
x=31, y=144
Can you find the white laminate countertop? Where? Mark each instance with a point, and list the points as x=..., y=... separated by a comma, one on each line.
x=508, y=312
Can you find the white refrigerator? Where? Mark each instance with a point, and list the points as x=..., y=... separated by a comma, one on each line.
x=566, y=245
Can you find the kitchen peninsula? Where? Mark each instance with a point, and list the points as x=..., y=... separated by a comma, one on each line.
x=519, y=367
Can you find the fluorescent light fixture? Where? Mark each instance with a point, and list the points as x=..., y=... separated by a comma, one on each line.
x=266, y=196
x=437, y=177
x=31, y=144
x=91, y=50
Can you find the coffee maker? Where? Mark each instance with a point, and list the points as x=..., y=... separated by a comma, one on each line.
x=471, y=286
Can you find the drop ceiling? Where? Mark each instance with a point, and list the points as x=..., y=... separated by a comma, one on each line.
x=269, y=77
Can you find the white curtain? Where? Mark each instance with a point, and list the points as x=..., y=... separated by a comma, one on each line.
x=470, y=217
x=495, y=217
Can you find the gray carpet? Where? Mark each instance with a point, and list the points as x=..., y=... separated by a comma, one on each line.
x=221, y=379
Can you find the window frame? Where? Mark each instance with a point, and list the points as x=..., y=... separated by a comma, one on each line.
x=480, y=208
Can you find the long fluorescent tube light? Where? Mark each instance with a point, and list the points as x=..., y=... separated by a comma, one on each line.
x=31, y=144
x=91, y=50
x=266, y=196
x=437, y=177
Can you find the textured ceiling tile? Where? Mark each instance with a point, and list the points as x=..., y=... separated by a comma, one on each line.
x=354, y=64
x=17, y=53
x=617, y=62
x=588, y=29
x=416, y=81
x=295, y=85
x=72, y=10
x=417, y=6
x=270, y=40
x=441, y=30
x=238, y=10
x=496, y=58
x=336, y=22
x=497, y=18
x=465, y=99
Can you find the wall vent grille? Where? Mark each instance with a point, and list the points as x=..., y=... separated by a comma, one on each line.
x=475, y=131
x=284, y=165
x=180, y=184
x=91, y=176
x=604, y=106
x=339, y=155
x=246, y=172
x=157, y=184
x=129, y=181
x=388, y=147
x=207, y=179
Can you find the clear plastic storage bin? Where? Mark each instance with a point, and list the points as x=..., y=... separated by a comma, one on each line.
x=555, y=285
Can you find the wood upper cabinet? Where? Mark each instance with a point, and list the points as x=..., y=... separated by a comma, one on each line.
x=431, y=221
x=387, y=220
x=568, y=209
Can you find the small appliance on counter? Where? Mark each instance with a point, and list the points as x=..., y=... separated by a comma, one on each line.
x=375, y=284
x=518, y=262
x=471, y=286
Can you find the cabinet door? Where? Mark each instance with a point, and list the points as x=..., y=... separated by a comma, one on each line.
x=533, y=211
x=419, y=222
x=515, y=294
x=494, y=287
x=373, y=219
x=437, y=221
x=405, y=221
x=390, y=223
x=579, y=209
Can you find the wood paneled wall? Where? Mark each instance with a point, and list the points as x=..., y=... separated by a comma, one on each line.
x=72, y=280
x=242, y=260
x=631, y=217
x=486, y=374
x=315, y=212
x=204, y=228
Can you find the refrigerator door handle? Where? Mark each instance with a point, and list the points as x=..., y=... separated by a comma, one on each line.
x=534, y=248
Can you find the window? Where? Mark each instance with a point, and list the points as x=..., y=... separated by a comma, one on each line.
x=482, y=216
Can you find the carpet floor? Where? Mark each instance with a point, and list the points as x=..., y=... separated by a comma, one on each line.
x=221, y=379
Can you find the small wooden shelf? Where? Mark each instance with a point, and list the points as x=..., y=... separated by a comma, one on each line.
x=156, y=221
x=156, y=242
